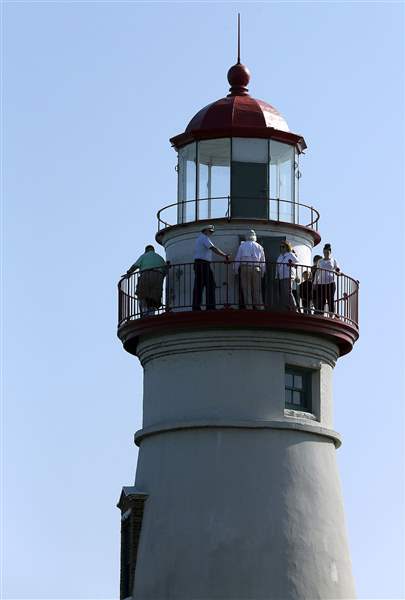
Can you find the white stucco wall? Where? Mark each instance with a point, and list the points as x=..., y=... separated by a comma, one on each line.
x=231, y=374
x=179, y=241
x=244, y=501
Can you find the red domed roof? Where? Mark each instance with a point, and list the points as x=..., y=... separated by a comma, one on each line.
x=238, y=115
x=237, y=111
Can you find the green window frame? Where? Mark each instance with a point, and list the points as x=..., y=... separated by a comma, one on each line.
x=298, y=388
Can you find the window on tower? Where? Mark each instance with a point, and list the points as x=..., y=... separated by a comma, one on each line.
x=298, y=388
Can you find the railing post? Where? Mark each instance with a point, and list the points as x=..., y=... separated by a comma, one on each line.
x=227, y=284
x=167, y=287
x=134, y=301
x=128, y=296
x=119, y=302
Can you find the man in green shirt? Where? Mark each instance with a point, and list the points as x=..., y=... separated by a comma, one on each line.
x=152, y=271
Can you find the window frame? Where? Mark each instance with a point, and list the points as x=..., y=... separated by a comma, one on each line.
x=305, y=391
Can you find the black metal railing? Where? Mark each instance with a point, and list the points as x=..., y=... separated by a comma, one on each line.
x=272, y=209
x=230, y=285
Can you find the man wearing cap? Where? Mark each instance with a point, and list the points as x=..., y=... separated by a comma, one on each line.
x=203, y=275
x=250, y=263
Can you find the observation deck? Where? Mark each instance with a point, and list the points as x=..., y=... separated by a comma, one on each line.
x=302, y=310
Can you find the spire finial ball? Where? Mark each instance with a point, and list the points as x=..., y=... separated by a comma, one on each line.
x=238, y=77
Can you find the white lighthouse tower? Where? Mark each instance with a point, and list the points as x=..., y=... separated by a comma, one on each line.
x=237, y=494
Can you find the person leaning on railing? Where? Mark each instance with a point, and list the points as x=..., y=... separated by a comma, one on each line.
x=152, y=268
x=324, y=281
x=203, y=275
x=251, y=265
x=285, y=275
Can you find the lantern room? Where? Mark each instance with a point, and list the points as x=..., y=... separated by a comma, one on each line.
x=237, y=159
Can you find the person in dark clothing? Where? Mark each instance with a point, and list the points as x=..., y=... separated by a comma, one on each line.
x=314, y=267
x=305, y=292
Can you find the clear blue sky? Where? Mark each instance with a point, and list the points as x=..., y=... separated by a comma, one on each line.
x=93, y=91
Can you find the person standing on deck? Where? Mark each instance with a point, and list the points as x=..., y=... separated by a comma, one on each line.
x=325, y=280
x=152, y=269
x=251, y=265
x=286, y=274
x=203, y=275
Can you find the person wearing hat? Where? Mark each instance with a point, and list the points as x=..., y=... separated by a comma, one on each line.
x=324, y=280
x=152, y=271
x=251, y=266
x=203, y=275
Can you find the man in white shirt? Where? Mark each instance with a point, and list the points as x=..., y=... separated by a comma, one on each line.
x=286, y=274
x=203, y=275
x=250, y=263
x=327, y=268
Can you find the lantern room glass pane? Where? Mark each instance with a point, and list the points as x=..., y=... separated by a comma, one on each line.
x=250, y=150
x=282, y=175
x=249, y=178
x=187, y=173
x=214, y=178
x=297, y=177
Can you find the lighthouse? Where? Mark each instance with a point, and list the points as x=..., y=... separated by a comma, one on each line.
x=237, y=493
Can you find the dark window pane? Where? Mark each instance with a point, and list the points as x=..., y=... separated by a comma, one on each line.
x=297, y=398
x=288, y=397
x=289, y=380
x=298, y=382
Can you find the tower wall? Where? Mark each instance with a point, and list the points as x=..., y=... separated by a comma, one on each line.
x=244, y=499
x=179, y=241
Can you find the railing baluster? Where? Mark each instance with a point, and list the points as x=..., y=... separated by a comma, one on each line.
x=227, y=284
